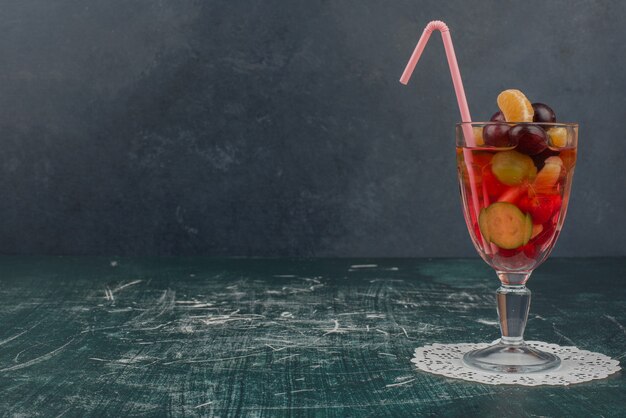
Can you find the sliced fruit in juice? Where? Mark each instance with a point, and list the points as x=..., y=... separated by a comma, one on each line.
x=493, y=186
x=515, y=106
x=481, y=159
x=513, y=168
x=478, y=136
x=540, y=158
x=548, y=176
x=540, y=207
x=544, y=236
x=512, y=194
x=558, y=137
x=505, y=225
x=537, y=229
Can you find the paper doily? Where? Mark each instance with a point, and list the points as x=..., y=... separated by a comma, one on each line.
x=577, y=366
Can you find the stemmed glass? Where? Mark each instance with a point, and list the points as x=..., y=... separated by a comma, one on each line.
x=514, y=206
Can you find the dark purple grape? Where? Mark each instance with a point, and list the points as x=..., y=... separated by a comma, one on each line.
x=543, y=113
x=498, y=117
x=540, y=159
x=497, y=135
x=530, y=139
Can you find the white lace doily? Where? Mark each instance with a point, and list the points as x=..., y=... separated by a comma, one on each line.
x=577, y=365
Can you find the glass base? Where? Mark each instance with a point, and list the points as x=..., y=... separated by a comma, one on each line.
x=506, y=358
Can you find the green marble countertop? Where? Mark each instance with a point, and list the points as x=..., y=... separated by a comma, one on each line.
x=280, y=337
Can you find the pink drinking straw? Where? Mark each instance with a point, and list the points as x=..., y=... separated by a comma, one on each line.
x=468, y=133
x=454, y=71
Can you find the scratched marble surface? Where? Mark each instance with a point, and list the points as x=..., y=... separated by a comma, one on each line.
x=276, y=337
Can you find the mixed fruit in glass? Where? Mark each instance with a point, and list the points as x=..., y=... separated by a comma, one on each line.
x=519, y=174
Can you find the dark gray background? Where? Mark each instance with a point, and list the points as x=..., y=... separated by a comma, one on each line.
x=279, y=127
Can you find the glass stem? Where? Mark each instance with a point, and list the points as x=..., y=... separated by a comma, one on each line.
x=513, y=306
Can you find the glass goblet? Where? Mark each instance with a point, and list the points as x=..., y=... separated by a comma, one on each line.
x=515, y=187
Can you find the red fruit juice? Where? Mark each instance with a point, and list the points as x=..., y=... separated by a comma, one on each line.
x=522, y=203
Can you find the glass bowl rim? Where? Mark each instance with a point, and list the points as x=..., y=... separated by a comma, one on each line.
x=548, y=124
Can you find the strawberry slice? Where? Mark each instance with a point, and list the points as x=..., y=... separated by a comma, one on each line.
x=494, y=187
x=513, y=193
